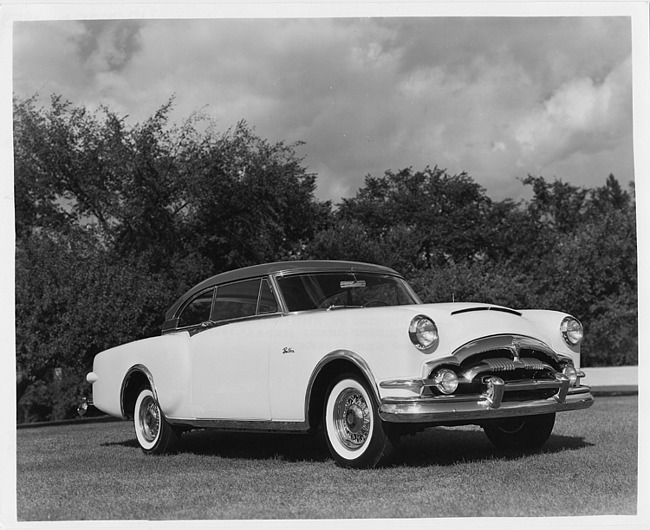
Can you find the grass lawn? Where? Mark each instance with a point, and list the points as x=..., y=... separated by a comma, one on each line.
x=97, y=471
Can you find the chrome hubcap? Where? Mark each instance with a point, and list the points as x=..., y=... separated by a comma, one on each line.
x=149, y=419
x=352, y=419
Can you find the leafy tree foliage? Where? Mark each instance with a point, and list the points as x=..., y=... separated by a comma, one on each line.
x=567, y=248
x=114, y=221
x=441, y=211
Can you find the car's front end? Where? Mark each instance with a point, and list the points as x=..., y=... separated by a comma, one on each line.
x=482, y=362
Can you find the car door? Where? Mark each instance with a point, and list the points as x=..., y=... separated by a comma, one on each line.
x=230, y=369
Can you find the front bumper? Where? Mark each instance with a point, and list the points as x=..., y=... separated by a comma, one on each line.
x=478, y=408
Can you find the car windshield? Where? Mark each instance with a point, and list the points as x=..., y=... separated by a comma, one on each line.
x=304, y=292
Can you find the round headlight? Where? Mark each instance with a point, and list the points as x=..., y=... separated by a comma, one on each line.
x=423, y=333
x=571, y=331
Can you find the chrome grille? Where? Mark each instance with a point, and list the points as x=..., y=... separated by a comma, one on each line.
x=515, y=360
x=504, y=365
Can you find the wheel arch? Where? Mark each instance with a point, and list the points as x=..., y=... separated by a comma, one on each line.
x=329, y=367
x=136, y=377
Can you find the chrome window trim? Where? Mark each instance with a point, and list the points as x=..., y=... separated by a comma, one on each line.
x=274, y=269
x=187, y=303
x=277, y=276
x=197, y=328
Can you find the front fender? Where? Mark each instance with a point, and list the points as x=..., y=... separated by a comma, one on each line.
x=548, y=322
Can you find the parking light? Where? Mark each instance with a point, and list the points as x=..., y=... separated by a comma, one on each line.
x=446, y=381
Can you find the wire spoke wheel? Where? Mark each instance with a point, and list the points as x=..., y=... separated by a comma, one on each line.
x=356, y=436
x=352, y=418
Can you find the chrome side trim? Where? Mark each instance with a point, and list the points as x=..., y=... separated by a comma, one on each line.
x=136, y=368
x=415, y=385
x=473, y=409
x=242, y=425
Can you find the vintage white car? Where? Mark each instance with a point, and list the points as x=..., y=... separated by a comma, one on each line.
x=348, y=348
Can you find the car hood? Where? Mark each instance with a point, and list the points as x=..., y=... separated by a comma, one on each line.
x=460, y=323
x=380, y=334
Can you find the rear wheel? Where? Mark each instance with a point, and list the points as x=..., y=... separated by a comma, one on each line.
x=154, y=434
x=356, y=436
x=526, y=432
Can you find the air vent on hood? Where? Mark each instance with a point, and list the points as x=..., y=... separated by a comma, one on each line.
x=489, y=308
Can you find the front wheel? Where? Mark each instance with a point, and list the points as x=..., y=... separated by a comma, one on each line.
x=356, y=436
x=526, y=432
x=154, y=434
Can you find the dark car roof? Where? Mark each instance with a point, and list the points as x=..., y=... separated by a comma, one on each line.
x=277, y=268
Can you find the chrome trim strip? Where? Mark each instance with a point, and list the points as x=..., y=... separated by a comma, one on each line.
x=282, y=304
x=242, y=425
x=405, y=384
x=477, y=408
x=355, y=359
x=416, y=385
x=533, y=384
x=136, y=368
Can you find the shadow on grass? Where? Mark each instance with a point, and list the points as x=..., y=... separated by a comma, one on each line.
x=253, y=446
x=125, y=443
x=433, y=447
x=448, y=447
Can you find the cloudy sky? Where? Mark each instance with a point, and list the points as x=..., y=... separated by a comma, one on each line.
x=496, y=97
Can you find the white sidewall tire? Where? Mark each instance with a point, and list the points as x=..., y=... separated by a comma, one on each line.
x=331, y=429
x=146, y=396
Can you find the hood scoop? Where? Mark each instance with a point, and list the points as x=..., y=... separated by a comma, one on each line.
x=486, y=308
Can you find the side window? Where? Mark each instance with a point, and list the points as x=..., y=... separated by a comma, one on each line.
x=236, y=300
x=267, y=303
x=197, y=311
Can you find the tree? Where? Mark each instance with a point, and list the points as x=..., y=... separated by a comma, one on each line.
x=249, y=201
x=443, y=213
x=115, y=221
x=568, y=248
